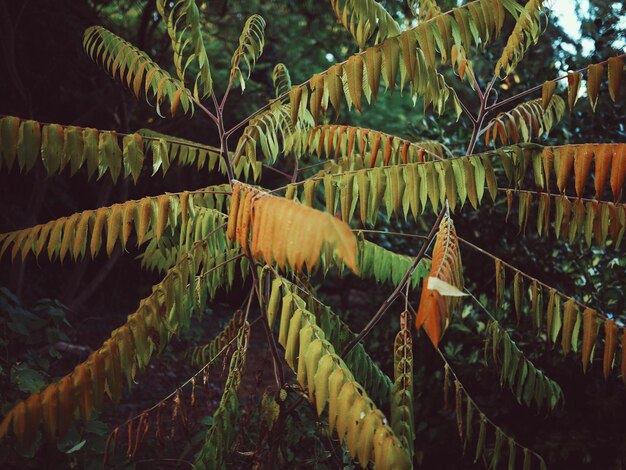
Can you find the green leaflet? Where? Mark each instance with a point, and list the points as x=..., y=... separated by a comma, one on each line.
x=386, y=266
x=362, y=366
x=351, y=412
x=470, y=424
x=250, y=48
x=281, y=80
x=143, y=217
x=52, y=147
x=187, y=42
x=109, y=155
x=9, y=131
x=135, y=68
x=60, y=146
x=528, y=384
x=364, y=17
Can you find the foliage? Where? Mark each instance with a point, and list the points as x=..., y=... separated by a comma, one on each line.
x=283, y=244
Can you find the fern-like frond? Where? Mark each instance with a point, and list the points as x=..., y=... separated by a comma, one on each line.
x=281, y=80
x=574, y=218
x=578, y=159
x=525, y=33
x=363, y=367
x=555, y=314
x=185, y=31
x=384, y=265
x=443, y=287
x=207, y=225
x=164, y=312
x=415, y=53
x=595, y=76
x=526, y=121
x=135, y=68
x=402, y=420
x=424, y=10
x=250, y=48
x=272, y=132
x=528, y=383
x=352, y=415
x=220, y=437
x=363, y=18
x=167, y=150
x=372, y=148
x=83, y=231
x=406, y=188
x=203, y=354
x=204, y=224
x=286, y=232
x=409, y=187
x=26, y=141
x=472, y=425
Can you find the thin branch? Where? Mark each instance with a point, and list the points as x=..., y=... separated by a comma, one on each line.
x=181, y=386
x=482, y=112
x=312, y=166
x=465, y=109
x=224, y=144
x=204, y=108
x=554, y=195
x=399, y=234
x=275, y=170
x=294, y=177
x=170, y=139
x=524, y=93
x=278, y=370
x=469, y=399
x=230, y=260
x=286, y=94
x=397, y=291
x=528, y=276
x=227, y=92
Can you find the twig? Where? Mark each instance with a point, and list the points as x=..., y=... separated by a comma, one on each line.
x=483, y=416
x=397, y=291
x=278, y=370
x=538, y=87
x=275, y=170
x=399, y=234
x=528, y=276
x=482, y=112
x=555, y=195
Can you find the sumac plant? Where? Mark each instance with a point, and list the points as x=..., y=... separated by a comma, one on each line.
x=273, y=240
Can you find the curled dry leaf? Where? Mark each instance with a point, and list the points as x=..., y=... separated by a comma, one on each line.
x=442, y=289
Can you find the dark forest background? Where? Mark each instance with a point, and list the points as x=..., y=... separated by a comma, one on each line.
x=64, y=311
